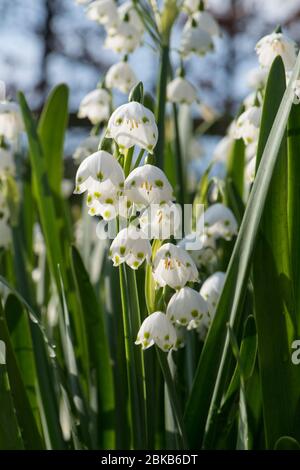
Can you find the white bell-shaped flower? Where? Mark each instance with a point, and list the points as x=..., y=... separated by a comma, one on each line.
x=99, y=167
x=128, y=13
x=85, y=148
x=206, y=22
x=157, y=329
x=104, y=12
x=123, y=39
x=181, y=91
x=11, y=123
x=121, y=76
x=133, y=124
x=187, y=308
x=82, y=2
x=95, y=106
x=174, y=267
x=7, y=164
x=247, y=125
x=195, y=40
x=203, y=255
x=161, y=221
x=103, y=199
x=211, y=290
x=191, y=6
x=256, y=78
x=275, y=44
x=219, y=222
x=147, y=185
x=130, y=247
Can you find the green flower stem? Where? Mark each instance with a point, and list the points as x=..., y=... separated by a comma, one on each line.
x=179, y=163
x=135, y=318
x=128, y=161
x=139, y=158
x=173, y=396
x=134, y=398
x=161, y=104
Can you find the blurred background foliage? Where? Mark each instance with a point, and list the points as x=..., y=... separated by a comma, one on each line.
x=44, y=42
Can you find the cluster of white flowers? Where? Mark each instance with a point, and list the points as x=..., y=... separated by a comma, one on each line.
x=139, y=196
x=11, y=125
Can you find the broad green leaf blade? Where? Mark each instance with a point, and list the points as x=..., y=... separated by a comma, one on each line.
x=236, y=166
x=53, y=231
x=29, y=431
x=99, y=352
x=46, y=373
x=272, y=282
x=51, y=130
x=209, y=376
x=18, y=326
x=10, y=437
x=287, y=443
x=294, y=205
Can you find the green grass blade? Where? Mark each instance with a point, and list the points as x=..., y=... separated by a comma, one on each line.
x=236, y=166
x=209, y=376
x=20, y=335
x=29, y=431
x=10, y=437
x=52, y=225
x=272, y=283
x=51, y=130
x=294, y=204
x=99, y=352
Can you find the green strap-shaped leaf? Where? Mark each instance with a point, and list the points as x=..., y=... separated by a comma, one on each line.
x=10, y=437
x=209, y=380
x=29, y=431
x=52, y=225
x=51, y=130
x=273, y=293
x=294, y=205
x=99, y=352
x=19, y=330
x=236, y=166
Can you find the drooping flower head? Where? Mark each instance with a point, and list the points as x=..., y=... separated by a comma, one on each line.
x=275, y=44
x=147, y=185
x=174, y=267
x=123, y=39
x=247, y=125
x=187, y=308
x=104, y=12
x=181, y=91
x=157, y=329
x=121, y=76
x=130, y=247
x=95, y=106
x=218, y=222
x=161, y=221
x=133, y=124
x=128, y=14
x=11, y=123
x=102, y=176
x=195, y=40
x=211, y=290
